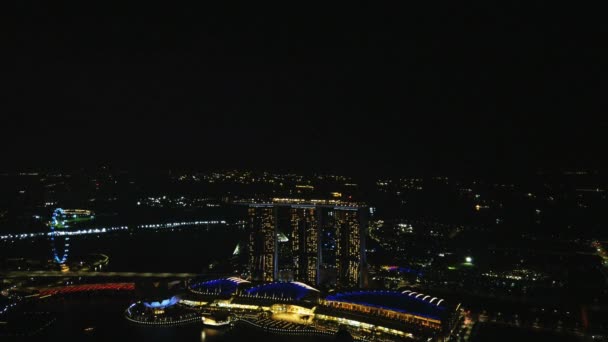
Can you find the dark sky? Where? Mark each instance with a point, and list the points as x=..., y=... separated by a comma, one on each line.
x=411, y=89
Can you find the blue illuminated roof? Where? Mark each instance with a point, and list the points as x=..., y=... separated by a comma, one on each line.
x=285, y=290
x=225, y=286
x=407, y=302
x=162, y=304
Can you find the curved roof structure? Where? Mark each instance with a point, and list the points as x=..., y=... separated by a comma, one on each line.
x=284, y=290
x=162, y=303
x=224, y=286
x=407, y=302
x=425, y=298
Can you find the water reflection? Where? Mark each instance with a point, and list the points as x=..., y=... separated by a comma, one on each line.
x=211, y=334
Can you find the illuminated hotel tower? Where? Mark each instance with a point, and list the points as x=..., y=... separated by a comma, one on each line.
x=263, y=245
x=350, y=226
x=306, y=243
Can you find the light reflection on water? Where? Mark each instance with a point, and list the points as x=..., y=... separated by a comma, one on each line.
x=211, y=334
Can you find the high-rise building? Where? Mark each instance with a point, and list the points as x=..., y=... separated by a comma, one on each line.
x=350, y=226
x=306, y=243
x=263, y=245
x=294, y=227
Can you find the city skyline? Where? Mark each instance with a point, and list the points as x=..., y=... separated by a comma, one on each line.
x=395, y=256
x=301, y=225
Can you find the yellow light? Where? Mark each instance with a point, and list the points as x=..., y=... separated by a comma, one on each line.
x=305, y=186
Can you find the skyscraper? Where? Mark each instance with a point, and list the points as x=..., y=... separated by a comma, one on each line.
x=305, y=242
x=297, y=224
x=263, y=244
x=350, y=226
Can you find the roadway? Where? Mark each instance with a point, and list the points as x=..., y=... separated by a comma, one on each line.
x=51, y=274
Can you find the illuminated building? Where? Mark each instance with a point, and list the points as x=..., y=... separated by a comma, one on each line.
x=286, y=271
x=408, y=307
x=218, y=287
x=159, y=306
x=385, y=314
x=62, y=218
x=162, y=312
x=287, y=291
x=305, y=243
x=301, y=253
x=350, y=226
x=406, y=314
x=263, y=246
x=216, y=320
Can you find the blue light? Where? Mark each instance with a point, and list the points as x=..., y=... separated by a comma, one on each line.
x=54, y=222
x=162, y=304
x=225, y=286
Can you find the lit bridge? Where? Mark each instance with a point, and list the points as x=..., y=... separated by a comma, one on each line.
x=59, y=274
x=63, y=290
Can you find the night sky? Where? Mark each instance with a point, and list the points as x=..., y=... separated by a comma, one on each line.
x=437, y=89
